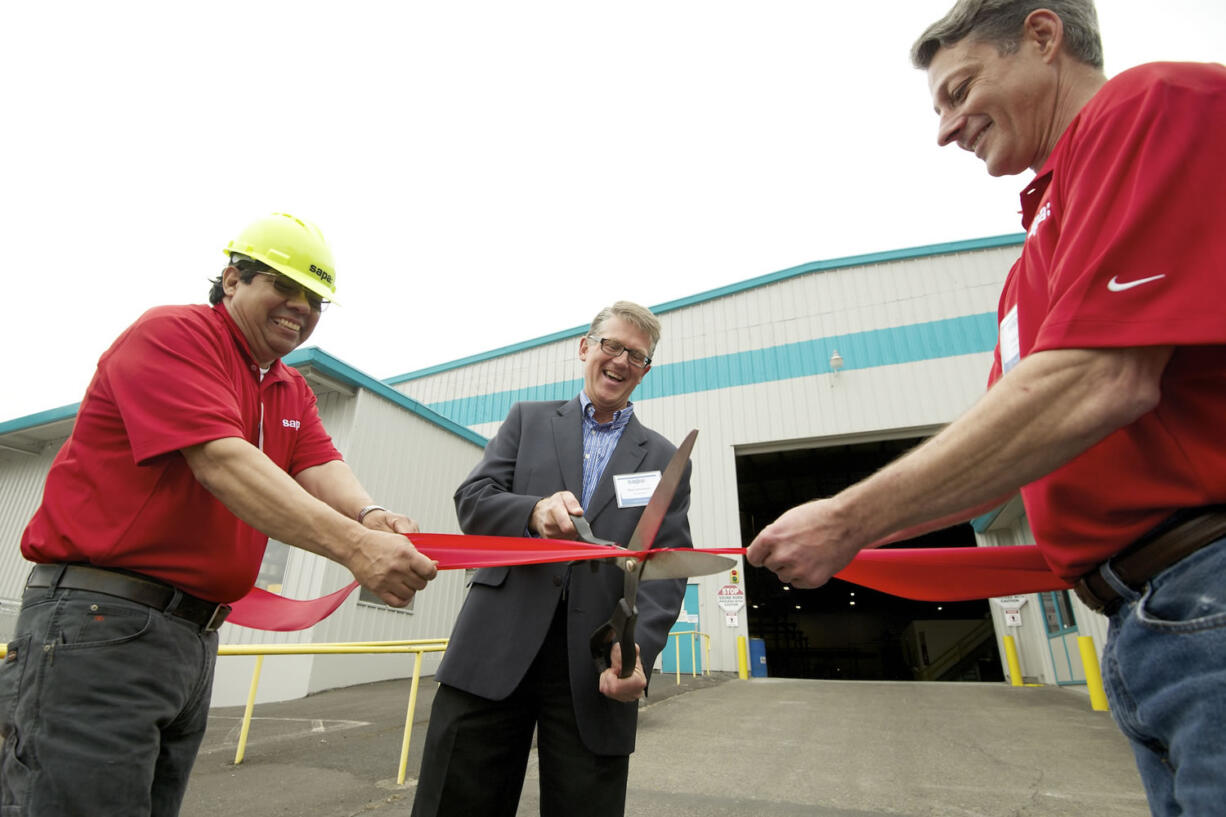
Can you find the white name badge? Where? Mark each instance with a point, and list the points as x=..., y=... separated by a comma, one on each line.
x=634, y=490
x=1010, y=344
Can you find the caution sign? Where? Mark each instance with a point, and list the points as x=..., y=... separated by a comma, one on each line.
x=1012, y=608
x=730, y=598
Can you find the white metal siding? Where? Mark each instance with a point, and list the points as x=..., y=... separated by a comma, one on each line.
x=21, y=489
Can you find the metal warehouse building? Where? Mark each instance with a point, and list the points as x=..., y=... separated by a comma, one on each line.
x=799, y=382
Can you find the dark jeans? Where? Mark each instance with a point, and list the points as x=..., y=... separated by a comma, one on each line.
x=103, y=704
x=1164, y=668
x=476, y=751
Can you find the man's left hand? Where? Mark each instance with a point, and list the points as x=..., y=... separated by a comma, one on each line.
x=623, y=689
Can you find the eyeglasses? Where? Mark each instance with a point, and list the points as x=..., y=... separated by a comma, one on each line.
x=291, y=289
x=613, y=349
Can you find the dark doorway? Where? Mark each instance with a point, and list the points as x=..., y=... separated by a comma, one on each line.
x=842, y=630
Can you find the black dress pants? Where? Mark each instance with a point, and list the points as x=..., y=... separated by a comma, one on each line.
x=476, y=751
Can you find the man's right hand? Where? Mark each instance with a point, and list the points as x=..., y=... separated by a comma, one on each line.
x=389, y=566
x=806, y=545
x=551, y=516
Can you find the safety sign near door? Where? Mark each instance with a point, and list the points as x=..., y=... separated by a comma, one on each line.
x=730, y=598
x=1012, y=607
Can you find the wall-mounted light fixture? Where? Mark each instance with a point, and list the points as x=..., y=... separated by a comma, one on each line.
x=836, y=363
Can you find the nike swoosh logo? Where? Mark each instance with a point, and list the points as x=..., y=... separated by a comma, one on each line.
x=1117, y=286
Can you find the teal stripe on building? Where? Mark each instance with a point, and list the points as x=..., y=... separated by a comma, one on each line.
x=909, y=253
x=860, y=350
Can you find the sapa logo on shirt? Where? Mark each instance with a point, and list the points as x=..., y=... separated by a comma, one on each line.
x=294, y=424
x=1039, y=218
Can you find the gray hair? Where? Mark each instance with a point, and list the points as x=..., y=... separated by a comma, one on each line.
x=638, y=316
x=999, y=23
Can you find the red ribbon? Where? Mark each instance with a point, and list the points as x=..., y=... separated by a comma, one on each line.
x=924, y=574
x=953, y=574
x=261, y=610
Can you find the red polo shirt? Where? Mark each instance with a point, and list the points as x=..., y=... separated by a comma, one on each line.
x=1126, y=246
x=120, y=493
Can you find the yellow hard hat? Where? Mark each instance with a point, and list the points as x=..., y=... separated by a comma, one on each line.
x=293, y=247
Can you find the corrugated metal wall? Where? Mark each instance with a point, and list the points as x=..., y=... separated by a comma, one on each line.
x=751, y=370
x=21, y=489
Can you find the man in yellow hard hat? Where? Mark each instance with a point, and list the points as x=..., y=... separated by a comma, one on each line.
x=193, y=444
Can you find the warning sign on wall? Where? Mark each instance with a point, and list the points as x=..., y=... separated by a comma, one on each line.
x=730, y=598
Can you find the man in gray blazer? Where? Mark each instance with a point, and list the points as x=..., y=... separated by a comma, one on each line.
x=519, y=658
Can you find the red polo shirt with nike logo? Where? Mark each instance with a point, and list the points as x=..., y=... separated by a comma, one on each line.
x=1126, y=246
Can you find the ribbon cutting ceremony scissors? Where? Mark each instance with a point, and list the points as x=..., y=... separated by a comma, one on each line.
x=641, y=564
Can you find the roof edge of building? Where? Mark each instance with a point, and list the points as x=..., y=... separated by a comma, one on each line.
x=924, y=251
x=312, y=357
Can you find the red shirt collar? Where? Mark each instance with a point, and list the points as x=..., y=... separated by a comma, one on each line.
x=1033, y=195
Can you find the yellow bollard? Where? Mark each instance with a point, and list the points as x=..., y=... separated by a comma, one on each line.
x=742, y=658
x=677, y=652
x=693, y=657
x=1094, y=678
x=242, y=734
x=1015, y=666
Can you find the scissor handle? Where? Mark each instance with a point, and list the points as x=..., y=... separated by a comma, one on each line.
x=585, y=532
x=619, y=628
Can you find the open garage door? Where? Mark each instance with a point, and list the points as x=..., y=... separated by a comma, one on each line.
x=842, y=630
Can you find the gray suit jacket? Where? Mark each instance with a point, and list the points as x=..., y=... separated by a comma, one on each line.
x=538, y=451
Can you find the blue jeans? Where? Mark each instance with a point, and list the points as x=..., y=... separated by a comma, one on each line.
x=1164, y=669
x=103, y=704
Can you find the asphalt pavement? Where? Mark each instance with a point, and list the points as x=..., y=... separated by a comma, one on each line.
x=717, y=746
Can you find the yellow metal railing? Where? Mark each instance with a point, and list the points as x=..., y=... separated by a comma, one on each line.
x=706, y=664
x=418, y=647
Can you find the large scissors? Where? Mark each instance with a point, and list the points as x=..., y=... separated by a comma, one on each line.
x=645, y=564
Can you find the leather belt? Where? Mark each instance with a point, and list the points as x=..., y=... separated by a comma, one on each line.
x=1149, y=556
x=206, y=615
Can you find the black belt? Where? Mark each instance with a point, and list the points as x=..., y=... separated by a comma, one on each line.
x=1150, y=555
x=206, y=615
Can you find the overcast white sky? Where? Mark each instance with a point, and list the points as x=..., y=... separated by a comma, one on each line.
x=486, y=172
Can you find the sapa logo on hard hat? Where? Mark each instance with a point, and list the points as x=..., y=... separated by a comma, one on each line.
x=293, y=247
x=324, y=275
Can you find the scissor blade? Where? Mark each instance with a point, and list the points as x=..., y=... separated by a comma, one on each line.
x=682, y=564
x=649, y=523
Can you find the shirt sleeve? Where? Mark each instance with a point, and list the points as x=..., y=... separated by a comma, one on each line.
x=1140, y=197
x=168, y=382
